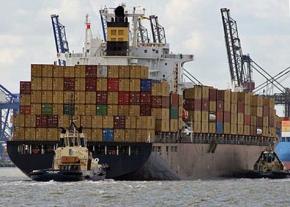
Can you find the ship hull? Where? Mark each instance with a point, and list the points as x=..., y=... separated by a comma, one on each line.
x=157, y=161
x=283, y=151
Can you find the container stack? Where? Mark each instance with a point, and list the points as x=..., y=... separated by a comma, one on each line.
x=215, y=111
x=112, y=103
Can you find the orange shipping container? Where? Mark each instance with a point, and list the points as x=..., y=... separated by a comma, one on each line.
x=90, y=110
x=124, y=84
x=91, y=97
x=112, y=110
x=63, y=121
x=36, y=97
x=68, y=97
x=52, y=134
x=57, y=97
x=97, y=135
x=134, y=85
x=46, y=97
x=18, y=133
x=25, y=99
x=108, y=122
x=19, y=120
x=57, y=84
x=30, y=121
x=58, y=109
x=130, y=135
x=134, y=110
x=119, y=135
x=40, y=134
x=46, y=84
x=80, y=84
x=102, y=84
x=124, y=72
x=58, y=71
x=36, y=83
x=112, y=97
x=80, y=97
x=80, y=109
x=123, y=110
x=113, y=71
x=36, y=70
x=29, y=134
x=47, y=71
x=86, y=121
x=144, y=72
x=97, y=122
x=69, y=71
x=80, y=71
x=88, y=134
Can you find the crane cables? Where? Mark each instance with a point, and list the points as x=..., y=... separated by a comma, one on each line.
x=190, y=77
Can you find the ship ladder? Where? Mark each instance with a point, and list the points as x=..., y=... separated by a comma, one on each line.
x=212, y=146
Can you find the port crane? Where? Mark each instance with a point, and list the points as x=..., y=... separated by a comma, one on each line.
x=9, y=105
x=242, y=66
x=61, y=42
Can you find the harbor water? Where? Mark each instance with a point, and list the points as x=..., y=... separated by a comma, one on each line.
x=18, y=190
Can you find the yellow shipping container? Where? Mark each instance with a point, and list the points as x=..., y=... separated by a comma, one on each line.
x=52, y=134
x=212, y=106
x=234, y=98
x=259, y=111
x=77, y=120
x=46, y=84
x=97, y=122
x=156, y=89
x=91, y=97
x=164, y=88
x=80, y=97
x=102, y=84
x=97, y=135
x=204, y=116
x=265, y=121
x=46, y=97
x=124, y=84
x=86, y=121
x=212, y=127
x=124, y=72
x=205, y=92
x=119, y=135
x=63, y=121
x=58, y=109
x=134, y=110
x=240, y=129
x=233, y=128
x=68, y=96
x=165, y=125
x=123, y=110
x=90, y=110
x=58, y=71
x=173, y=125
x=36, y=97
x=57, y=84
x=25, y=99
x=40, y=134
x=144, y=72
x=80, y=71
x=165, y=113
x=18, y=133
x=36, y=70
x=156, y=112
x=247, y=130
x=112, y=110
x=108, y=122
x=227, y=128
x=135, y=72
x=36, y=83
x=69, y=71
x=130, y=135
x=134, y=85
x=265, y=131
x=259, y=100
x=227, y=105
x=57, y=97
x=240, y=118
x=30, y=121
x=88, y=134
x=36, y=109
x=197, y=116
x=113, y=71
x=19, y=120
x=234, y=108
x=47, y=71
x=227, y=96
x=234, y=118
x=80, y=109
x=247, y=109
x=196, y=127
x=204, y=127
x=80, y=84
x=112, y=97
x=29, y=134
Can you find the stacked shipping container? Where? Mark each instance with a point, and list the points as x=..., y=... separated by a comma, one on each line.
x=225, y=112
x=112, y=103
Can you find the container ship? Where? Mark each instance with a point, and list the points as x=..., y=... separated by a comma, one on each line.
x=140, y=117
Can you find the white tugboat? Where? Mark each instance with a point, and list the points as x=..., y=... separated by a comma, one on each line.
x=72, y=160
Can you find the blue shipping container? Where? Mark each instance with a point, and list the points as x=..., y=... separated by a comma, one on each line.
x=146, y=85
x=108, y=135
x=219, y=128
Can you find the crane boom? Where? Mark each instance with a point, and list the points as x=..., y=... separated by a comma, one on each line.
x=61, y=42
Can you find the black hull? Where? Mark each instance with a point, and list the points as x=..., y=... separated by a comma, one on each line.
x=60, y=176
x=119, y=165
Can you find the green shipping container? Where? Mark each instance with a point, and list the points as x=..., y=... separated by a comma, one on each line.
x=46, y=109
x=174, y=112
x=101, y=110
x=68, y=109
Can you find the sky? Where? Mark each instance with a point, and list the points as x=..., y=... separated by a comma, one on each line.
x=192, y=27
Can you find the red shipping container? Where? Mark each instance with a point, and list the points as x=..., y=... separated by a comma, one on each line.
x=241, y=108
x=102, y=97
x=220, y=95
x=113, y=84
x=41, y=121
x=260, y=122
x=25, y=87
x=212, y=94
x=174, y=99
x=145, y=110
x=52, y=121
x=156, y=101
x=135, y=98
x=220, y=106
x=247, y=120
x=90, y=84
x=68, y=84
x=165, y=102
x=145, y=97
x=219, y=116
x=119, y=122
x=227, y=117
x=25, y=109
x=265, y=111
x=91, y=71
x=188, y=105
x=205, y=105
x=124, y=98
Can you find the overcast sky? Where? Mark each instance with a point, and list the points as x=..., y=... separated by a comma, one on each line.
x=192, y=27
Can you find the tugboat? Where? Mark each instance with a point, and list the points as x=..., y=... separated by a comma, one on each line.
x=269, y=165
x=72, y=160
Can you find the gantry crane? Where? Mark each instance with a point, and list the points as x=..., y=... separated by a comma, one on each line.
x=242, y=66
x=61, y=42
x=9, y=105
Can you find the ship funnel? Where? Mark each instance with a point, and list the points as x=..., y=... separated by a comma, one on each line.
x=119, y=14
